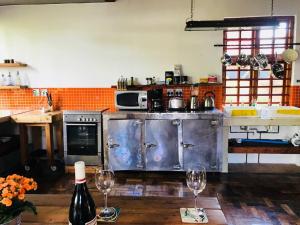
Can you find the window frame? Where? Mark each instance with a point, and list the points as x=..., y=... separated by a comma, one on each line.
x=254, y=78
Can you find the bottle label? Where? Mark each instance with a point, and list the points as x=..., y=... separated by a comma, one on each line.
x=80, y=181
x=92, y=222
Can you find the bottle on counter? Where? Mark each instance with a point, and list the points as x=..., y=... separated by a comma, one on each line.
x=9, y=81
x=3, y=80
x=17, y=79
x=82, y=209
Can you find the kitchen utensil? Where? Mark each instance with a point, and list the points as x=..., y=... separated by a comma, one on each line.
x=254, y=63
x=209, y=100
x=242, y=60
x=290, y=55
x=194, y=105
x=277, y=69
x=169, y=77
x=176, y=103
x=176, y=79
x=49, y=99
x=184, y=79
x=262, y=60
x=212, y=79
x=296, y=139
x=226, y=60
x=156, y=105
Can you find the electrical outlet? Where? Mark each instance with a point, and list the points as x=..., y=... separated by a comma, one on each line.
x=170, y=92
x=36, y=92
x=44, y=92
x=178, y=93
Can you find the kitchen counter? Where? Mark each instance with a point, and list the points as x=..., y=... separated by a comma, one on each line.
x=163, y=115
x=257, y=121
x=5, y=115
x=37, y=116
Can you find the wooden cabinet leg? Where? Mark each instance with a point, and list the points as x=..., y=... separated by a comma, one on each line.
x=23, y=143
x=49, y=143
x=36, y=137
x=59, y=138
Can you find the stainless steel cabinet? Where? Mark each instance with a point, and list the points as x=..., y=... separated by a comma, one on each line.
x=162, y=141
x=161, y=145
x=124, y=144
x=200, y=143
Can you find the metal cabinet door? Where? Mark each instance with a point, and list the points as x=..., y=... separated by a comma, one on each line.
x=125, y=144
x=200, y=143
x=161, y=145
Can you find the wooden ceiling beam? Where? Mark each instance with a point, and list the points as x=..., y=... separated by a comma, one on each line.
x=41, y=2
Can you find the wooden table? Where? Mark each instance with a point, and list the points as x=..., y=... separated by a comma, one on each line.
x=37, y=119
x=54, y=208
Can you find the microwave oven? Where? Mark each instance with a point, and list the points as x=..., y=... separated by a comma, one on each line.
x=135, y=100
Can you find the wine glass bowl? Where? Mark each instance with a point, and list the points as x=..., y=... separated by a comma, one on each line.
x=196, y=182
x=104, y=180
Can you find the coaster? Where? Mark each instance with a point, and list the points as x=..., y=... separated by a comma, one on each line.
x=110, y=220
x=188, y=215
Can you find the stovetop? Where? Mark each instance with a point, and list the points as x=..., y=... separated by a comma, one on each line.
x=86, y=116
x=85, y=112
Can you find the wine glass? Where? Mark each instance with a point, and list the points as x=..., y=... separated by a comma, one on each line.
x=196, y=182
x=104, y=180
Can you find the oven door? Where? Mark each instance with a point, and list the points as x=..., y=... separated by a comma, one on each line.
x=82, y=139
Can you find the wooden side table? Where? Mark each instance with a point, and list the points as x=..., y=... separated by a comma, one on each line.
x=37, y=119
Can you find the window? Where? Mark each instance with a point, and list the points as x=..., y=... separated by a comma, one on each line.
x=243, y=85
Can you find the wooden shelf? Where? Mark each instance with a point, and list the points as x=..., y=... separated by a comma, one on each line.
x=13, y=65
x=12, y=87
x=170, y=85
x=289, y=149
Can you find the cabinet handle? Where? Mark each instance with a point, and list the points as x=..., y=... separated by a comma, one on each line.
x=176, y=122
x=188, y=145
x=214, y=123
x=177, y=167
x=113, y=145
x=139, y=166
x=138, y=122
x=149, y=145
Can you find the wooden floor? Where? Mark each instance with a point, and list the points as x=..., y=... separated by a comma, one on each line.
x=246, y=198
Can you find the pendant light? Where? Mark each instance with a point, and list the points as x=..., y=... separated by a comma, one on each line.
x=229, y=23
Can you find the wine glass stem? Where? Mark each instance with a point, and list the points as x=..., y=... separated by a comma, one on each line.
x=105, y=200
x=195, y=199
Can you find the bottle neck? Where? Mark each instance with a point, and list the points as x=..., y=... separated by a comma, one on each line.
x=80, y=181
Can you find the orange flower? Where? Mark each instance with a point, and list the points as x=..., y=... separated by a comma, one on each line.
x=21, y=196
x=6, y=193
x=2, y=179
x=6, y=201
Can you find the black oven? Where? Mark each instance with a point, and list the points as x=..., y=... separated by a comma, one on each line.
x=82, y=137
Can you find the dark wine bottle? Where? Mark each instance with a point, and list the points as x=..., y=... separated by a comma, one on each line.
x=82, y=209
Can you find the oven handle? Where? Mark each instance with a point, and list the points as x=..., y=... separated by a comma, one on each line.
x=80, y=124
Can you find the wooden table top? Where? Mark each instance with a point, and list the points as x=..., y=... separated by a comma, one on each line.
x=5, y=114
x=54, y=208
x=37, y=116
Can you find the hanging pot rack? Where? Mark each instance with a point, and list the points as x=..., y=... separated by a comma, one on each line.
x=255, y=45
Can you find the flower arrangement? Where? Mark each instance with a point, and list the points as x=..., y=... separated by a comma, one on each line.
x=12, y=196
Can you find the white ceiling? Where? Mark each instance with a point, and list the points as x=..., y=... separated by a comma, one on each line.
x=36, y=2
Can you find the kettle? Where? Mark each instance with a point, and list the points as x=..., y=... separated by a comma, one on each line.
x=209, y=100
x=194, y=103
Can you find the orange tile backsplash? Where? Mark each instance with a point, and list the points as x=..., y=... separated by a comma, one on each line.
x=96, y=98
x=295, y=96
x=63, y=99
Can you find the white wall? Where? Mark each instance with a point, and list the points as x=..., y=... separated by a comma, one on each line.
x=91, y=45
